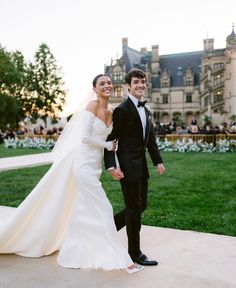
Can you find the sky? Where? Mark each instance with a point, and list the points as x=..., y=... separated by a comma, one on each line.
x=84, y=35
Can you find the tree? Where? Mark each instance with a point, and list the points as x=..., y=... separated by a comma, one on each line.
x=207, y=120
x=6, y=70
x=233, y=118
x=18, y=88
x=45, y=86
x=11, y=84
x=8, y=110
x=177, y=119
x=28, y=89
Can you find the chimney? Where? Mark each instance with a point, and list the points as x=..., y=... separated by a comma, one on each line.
x=208, y=44
x=155, y=60
x=124, y=44
x=155, y=53
x=143, y=50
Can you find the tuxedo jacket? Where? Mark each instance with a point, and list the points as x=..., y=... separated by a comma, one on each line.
x=132, y=144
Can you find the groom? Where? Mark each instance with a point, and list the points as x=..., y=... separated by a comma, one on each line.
x=133, y=129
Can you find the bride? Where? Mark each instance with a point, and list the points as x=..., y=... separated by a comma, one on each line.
x=68, y=210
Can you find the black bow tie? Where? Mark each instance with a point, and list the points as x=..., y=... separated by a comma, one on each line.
x=141, y=103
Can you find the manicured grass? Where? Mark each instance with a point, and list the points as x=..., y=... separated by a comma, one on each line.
x=10, y=152
x=15, y=185
x=197, y=192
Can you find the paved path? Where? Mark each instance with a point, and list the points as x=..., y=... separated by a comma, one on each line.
x=187, y=259
x=9, y=163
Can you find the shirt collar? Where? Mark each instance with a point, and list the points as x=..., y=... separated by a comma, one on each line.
x=134, y=100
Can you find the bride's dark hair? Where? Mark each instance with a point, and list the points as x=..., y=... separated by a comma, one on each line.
x=97, y=77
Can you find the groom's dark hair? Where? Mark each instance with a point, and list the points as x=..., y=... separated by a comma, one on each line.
x=134, y=73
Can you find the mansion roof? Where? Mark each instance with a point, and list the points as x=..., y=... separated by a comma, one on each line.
x=175, y=64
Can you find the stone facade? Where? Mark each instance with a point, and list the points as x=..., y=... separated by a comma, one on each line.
x=197, y=85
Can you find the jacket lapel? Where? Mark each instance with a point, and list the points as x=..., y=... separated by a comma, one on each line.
x=148, y=124
x=135, y=114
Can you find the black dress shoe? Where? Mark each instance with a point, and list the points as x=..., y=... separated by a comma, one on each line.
x=144, y=260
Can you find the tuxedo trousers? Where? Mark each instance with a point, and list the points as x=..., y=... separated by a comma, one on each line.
x=135, y=199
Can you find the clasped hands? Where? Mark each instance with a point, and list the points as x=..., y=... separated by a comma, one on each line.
x=116, y=173
x=160, y=168
x=114, y=145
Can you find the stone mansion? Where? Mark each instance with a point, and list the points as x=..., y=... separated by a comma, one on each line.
x=193, y=85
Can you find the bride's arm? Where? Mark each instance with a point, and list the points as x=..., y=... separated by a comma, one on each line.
x=87, y=136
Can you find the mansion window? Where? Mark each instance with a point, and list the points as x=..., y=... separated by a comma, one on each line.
x=165, y=98
x=206, y=101
x=217, y=65
x=207, y=84
x=206, y=67
x=118, y=91
x=189, y=98
x=189, y=81
x=218, y=79
x=118, y=76
x=218, y=96
x=165, y=83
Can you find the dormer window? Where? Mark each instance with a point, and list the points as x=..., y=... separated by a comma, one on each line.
x=164, y=83
x=180, y=71
x=165, y=79
x=118, y=76
x=189, y=81
x=188, y=77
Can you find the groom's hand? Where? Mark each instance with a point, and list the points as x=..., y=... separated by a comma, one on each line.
x=116, y=174
x=160, y=168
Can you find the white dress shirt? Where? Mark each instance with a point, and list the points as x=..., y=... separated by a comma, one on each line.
x=141, y=112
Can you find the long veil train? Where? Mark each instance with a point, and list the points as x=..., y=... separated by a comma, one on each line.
x=32, y=229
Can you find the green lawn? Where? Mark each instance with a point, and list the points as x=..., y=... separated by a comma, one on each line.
x=10, y=152
x=197, y=192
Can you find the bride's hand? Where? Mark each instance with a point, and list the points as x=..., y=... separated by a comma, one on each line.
x=111, y=145
x=116, y=174
x=114, y=145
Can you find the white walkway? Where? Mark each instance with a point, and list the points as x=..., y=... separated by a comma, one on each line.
x=9, y=163
x=187, y=259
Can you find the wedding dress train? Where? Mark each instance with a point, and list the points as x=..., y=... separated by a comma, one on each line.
x=68, y=211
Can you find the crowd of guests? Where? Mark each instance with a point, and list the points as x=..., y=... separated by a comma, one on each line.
x=160, y=129
x=10, y=133
x=194, y=128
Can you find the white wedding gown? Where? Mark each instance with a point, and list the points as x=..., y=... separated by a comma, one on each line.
x=68, y=211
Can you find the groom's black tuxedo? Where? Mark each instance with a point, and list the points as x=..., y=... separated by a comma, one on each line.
x=128, y=130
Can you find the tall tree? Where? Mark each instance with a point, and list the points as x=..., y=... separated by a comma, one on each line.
x=46, y=85
x=9, y=111
x=18, y=88
x=11, y=84
x=6, y=70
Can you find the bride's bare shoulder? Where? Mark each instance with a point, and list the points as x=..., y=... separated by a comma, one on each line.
x=92, y=106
